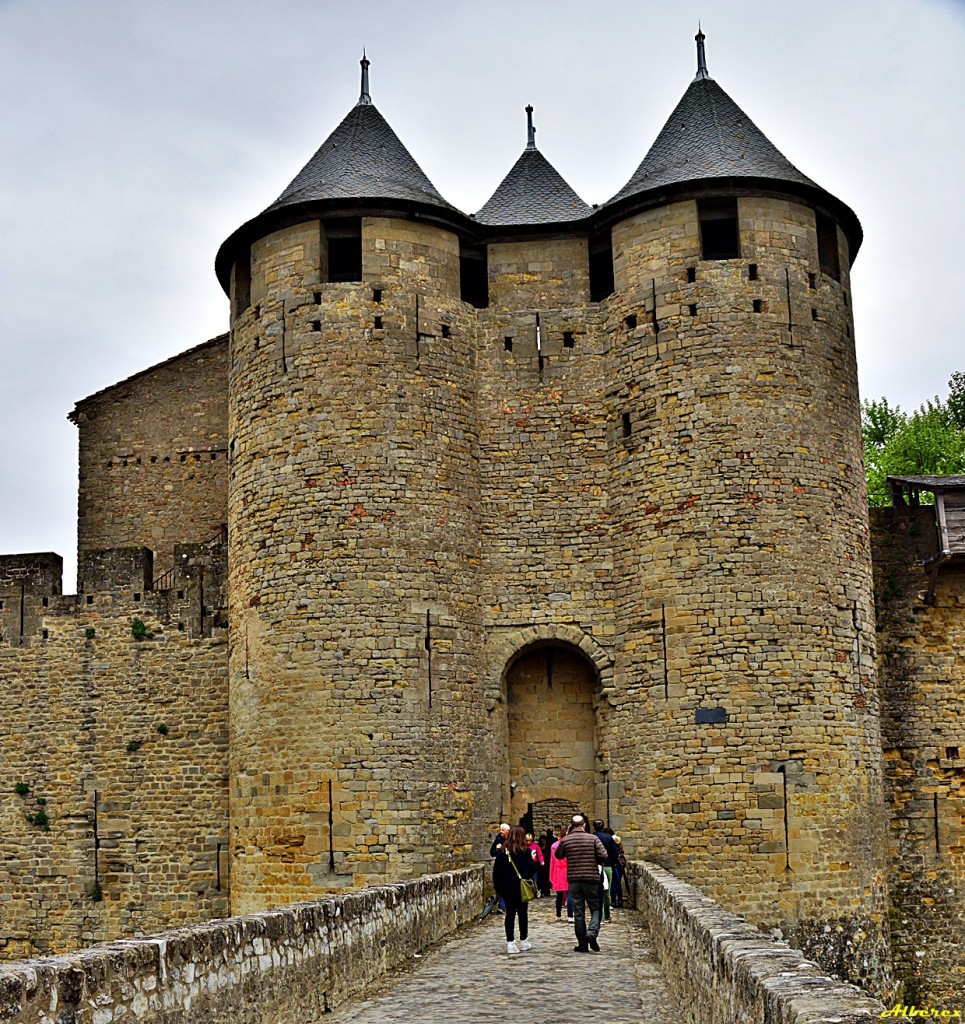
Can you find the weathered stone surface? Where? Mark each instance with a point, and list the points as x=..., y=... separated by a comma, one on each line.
x=284, y=966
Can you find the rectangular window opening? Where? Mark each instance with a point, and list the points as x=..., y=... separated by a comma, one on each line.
x=45, y=602
x=241, y=284
x=376, y=294
x=446, y=331
x=626, y=425
x=601, y=267
x=630, y=322
x=719, y=232
x=316, y=325
x=812, y=281
x=317, y=296
x=568, y=339
x=344, y=240
x=378, y=323
x=474, y=275
x=90, y=599
x=691, y=275
x=751, y=271
x=814, y=313
x=758, y=305
x=828, y=259
x=508, y=344
x=693, y=308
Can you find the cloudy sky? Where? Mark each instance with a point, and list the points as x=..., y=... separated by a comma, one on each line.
x=135, y=136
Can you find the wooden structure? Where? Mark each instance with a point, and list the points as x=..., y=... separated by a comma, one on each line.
x=949, y=495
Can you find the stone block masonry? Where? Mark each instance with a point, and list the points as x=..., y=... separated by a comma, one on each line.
x=286, y=966
x=922, y=669
x=113, y=754
x=721, y=969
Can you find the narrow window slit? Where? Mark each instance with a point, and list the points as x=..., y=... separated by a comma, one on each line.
x=627, y=426
x=446, y=331
x=376, y=294
x=751, y=271
x=378, y=323
x=567, y=339
x=693, y=308
x=812, y=281
x=691, y=275
x=318, y=298
x=508, y=344
x=814, y=313
x=758, y=306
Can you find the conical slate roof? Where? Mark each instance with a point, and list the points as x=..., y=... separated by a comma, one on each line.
x=709, y=136
x=533, y=192
x=362, y=159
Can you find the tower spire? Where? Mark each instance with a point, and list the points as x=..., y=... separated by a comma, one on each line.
x=530, y=130
x=365, y=99
x=701, y=56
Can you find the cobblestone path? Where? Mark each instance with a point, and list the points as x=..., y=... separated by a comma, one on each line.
x=472, y=980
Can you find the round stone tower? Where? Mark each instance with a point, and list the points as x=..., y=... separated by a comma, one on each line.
x=353, y=537
x=748, y=718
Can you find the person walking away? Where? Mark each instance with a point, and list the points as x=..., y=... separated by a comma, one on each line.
x=559, y=885
x=536, y=852
x=616, y=895
x=513, y=862
x=612, y=855
x=497, y=844
x=584, y=854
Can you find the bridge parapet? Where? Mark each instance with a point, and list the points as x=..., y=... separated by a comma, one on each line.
x=720, y=968
x=280, y=966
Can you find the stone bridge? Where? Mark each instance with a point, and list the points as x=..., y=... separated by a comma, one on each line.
x=415, y=951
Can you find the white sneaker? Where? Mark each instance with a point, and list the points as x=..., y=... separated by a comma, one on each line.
x=524, y=944
x=511, y=947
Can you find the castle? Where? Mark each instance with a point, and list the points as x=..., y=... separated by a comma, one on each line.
x=473, y=518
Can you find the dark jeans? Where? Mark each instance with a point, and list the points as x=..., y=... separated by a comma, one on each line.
x=559, y=904
x=584, y=893
x=514, y=907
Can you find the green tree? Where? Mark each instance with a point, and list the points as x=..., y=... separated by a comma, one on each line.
x=930, y=441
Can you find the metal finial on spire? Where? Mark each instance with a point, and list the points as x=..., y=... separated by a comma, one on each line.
x=530, y=130
x=701, y=56
x=365, y=99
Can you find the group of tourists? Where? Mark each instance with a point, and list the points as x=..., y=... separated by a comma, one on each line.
x=584, y=868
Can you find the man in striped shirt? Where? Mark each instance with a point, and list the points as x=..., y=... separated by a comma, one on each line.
x=584, y=854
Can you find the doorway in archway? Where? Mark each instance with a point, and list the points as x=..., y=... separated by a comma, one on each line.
x=552, y=733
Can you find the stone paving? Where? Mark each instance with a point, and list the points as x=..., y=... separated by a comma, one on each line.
x=473, y=980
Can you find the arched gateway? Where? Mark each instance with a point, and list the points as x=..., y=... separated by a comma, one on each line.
x=552, y=767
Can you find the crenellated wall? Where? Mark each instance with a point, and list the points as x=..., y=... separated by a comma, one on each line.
x=113, y=758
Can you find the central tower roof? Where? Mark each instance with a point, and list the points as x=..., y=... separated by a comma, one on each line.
x=533, y=192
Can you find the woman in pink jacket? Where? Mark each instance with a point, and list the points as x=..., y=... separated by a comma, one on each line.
x=558, y=884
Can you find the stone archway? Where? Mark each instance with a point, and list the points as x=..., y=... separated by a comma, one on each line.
x=551, y=693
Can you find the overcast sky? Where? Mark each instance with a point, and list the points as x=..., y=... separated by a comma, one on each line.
x=136, y=136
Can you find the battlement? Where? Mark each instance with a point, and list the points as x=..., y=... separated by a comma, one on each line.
x=190, y=596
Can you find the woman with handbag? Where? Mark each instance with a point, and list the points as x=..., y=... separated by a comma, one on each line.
x=513, y=871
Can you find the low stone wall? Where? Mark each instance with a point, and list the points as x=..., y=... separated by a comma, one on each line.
x=285, y=966
x=722, y=969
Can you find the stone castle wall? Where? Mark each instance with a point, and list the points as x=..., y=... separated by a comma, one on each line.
x=922, y=671
x=153, y=457
x=113, y=759
x=430, y=507
x=354, y=546
x=749, y=720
